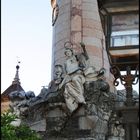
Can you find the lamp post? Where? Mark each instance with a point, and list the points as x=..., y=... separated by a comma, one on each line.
x=130, y=110
x=127, y=80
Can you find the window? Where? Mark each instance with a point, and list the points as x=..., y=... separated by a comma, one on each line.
x=124, y=30
x=125, y=38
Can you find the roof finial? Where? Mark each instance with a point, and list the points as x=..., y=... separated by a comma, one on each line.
x=16, y=79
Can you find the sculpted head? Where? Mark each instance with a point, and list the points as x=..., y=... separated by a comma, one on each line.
x=58, y=70
x=68, y=52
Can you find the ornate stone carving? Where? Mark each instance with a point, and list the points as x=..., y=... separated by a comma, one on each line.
x=116, y=128
x=77, y=73
x=17, y=95
x=55, y=13
x=19, y=102
x=73, y=82
x=76, y=103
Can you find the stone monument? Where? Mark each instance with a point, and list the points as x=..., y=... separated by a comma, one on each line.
x=77, y=105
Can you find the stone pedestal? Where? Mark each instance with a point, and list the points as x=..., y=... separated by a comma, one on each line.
x=53, y=121
x=78, y=126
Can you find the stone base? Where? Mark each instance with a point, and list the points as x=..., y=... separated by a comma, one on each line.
x=77, y=126
x=52, y=120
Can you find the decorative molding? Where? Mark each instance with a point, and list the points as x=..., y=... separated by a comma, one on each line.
x=55, y=13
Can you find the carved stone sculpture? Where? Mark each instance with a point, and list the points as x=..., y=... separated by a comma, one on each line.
x=73, y=82
x=76, y=104
x=55, y=13
x=77, y=73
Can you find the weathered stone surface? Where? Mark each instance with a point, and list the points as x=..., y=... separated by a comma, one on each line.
x=79, y=21
x=115, y=138
x=89, y=121
x=77, y=104
x=52, y=120
x=39, y=125
x=76, y=36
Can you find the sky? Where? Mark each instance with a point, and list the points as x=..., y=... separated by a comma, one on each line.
x=26, y=36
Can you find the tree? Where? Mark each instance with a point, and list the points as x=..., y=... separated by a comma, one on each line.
x=10, y=132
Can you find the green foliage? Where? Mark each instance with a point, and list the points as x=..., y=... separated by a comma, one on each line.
x=7, y=118
x=10, y=132
x=7, y=129
x=23, y=132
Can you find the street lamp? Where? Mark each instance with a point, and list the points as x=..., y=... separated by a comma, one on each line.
x=127, y=80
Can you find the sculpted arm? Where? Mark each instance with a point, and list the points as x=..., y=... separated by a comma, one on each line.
x=84, y=50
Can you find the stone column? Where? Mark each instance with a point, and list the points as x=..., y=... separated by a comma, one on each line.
x=79, y=21
x=61, y=31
